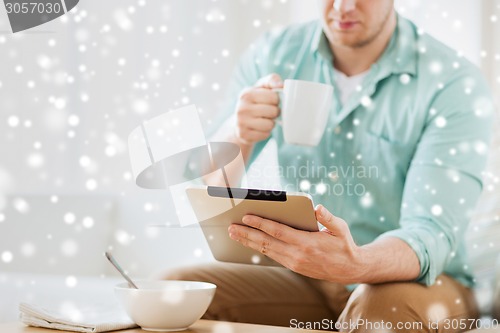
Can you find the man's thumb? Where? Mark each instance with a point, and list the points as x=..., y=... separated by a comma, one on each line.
x=335, y=225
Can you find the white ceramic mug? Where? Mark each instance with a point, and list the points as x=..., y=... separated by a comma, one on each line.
x=305, y=107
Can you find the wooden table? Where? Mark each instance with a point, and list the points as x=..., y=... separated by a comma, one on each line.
x=201, y=326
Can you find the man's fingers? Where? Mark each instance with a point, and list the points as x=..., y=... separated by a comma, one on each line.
x=270, y=81
x=268, y=252
x=274, y=229
x=260, y=96
x=253, y=135
x=270, y=247
x=260, y=110
x=334, y=224
x=256, y=239
x=257, y=124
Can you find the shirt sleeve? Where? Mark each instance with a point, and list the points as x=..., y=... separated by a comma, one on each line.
x=444, y=179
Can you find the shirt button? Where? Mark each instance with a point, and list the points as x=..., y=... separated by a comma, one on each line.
x=337, y=130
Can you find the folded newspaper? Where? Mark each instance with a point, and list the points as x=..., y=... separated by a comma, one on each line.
x=70, y=317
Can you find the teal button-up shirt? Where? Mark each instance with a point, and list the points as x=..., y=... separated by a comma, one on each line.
x=404, y=156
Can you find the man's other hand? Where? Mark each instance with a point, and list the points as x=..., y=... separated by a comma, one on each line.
x=257, y=110
x=329, y=254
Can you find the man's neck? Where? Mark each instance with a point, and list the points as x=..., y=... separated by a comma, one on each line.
x=356, y=60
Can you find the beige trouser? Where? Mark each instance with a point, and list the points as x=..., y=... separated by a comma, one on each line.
x=277, y=296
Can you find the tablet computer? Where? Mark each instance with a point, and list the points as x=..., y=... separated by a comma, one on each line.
x=218, y=207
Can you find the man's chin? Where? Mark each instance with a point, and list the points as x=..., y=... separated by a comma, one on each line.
x=348, y=42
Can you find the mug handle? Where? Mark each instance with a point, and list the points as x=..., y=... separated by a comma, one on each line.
x=279, y=91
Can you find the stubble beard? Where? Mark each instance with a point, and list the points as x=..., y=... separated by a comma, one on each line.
x=372, y=36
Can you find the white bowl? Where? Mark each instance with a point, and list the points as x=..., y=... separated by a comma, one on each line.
x=166, y=305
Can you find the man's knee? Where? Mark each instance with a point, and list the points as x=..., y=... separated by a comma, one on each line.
x=408, y=307
x=387, y=307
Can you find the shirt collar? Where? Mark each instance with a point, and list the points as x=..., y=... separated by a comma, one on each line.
x=399, y=57
x=320, y=44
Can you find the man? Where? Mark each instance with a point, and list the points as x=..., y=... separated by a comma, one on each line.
x=393, y=254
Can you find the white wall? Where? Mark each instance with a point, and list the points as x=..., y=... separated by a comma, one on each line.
x=73, y=89
x=457, y=24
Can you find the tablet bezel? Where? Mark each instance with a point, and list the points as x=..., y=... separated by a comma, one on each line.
x=218, y=207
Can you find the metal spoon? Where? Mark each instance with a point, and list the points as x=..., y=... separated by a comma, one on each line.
x=119, y=269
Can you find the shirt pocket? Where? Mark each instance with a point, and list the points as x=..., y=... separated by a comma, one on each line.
x=401, y=127
x=391, y=158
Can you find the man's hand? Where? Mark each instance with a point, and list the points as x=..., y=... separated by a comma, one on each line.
x=330, y=254
x=257, y=109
